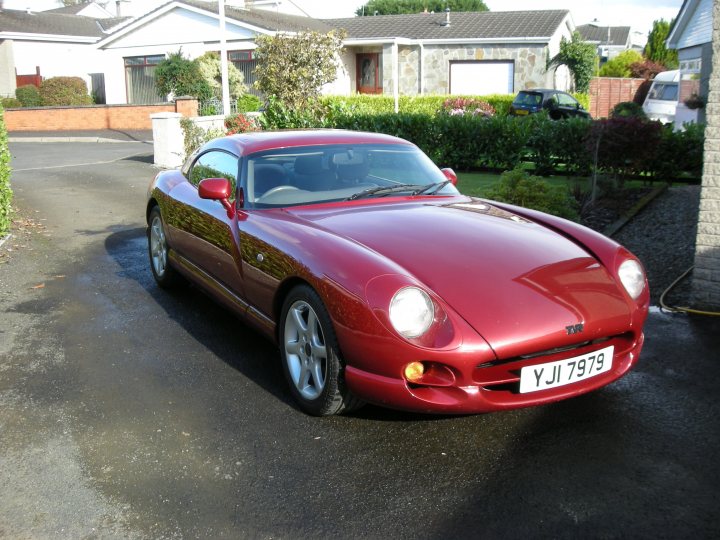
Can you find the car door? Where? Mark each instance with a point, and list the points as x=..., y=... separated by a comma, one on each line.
x=568, y=105
x=208, y=235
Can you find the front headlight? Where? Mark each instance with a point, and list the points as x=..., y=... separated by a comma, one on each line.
x=632, y=277
x=411, y=312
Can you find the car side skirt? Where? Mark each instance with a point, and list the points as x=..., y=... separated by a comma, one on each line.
x=222, y=294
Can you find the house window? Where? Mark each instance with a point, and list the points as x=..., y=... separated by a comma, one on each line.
x=368, y=73
x=140, y=79
x=246, y=63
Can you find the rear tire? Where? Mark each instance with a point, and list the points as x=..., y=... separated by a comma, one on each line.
x=310, y=355
x=165, y=275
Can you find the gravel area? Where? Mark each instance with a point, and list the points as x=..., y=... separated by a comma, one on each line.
x=663, y=235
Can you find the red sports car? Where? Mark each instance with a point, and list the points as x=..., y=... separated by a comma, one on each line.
x=381, y=283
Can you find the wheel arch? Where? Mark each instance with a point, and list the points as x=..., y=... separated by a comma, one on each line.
x=281, y=294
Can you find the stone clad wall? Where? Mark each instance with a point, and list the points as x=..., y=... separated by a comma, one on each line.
x=706, y=276
x=529, y=62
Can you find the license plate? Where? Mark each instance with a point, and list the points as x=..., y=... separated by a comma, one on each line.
x=562, y=372
x=521, y=112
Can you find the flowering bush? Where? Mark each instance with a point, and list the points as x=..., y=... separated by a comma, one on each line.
x=239, y=123
x=461, y=106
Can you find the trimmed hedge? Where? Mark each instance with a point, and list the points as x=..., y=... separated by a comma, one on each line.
x=64, y=91
x=5, y=190
x=620, y=147
x=29, y=95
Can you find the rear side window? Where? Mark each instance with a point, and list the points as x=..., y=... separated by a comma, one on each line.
x=528, y=98
x=664, y=91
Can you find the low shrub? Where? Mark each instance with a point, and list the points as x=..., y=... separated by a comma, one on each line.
x=5, y=189
x=239, y=123
x=461, y=106
x=628, y=109
x=519, y=188
x=29, y=95
x=194, y=136
x=425, y=104
x=248, y=103
x=11, y=103
x=64, y=91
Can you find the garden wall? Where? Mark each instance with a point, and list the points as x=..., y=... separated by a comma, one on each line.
x=119, y=117
x=606, y=92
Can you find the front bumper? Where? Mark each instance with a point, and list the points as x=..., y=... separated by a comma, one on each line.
x=486, y=386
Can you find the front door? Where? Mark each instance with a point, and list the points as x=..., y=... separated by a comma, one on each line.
x=368, y=73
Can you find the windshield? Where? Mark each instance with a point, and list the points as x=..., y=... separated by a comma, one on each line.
x=664, y=91
x=313, y=174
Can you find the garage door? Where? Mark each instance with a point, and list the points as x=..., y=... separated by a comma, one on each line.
x=482, y=78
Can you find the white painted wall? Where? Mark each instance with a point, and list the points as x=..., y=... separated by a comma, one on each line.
x=57, y=59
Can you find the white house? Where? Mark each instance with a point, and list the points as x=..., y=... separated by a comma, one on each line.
x=468, y=53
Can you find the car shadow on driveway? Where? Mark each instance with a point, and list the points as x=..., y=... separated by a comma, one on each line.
x=210, y=324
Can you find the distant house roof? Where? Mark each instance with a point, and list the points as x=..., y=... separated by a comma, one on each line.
x=463, y=25
x=54, y=24
x=262, y=18
x=619, y=35
x=84, y=9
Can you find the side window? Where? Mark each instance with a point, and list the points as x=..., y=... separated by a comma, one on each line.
x=215, y=164
x=566, y=100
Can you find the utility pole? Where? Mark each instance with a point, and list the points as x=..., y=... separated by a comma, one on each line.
x=224, y=60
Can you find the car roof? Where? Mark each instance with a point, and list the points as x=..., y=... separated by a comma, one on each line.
x=542, y=90
x=258, y=141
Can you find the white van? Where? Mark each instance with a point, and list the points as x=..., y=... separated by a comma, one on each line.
x=662, y=99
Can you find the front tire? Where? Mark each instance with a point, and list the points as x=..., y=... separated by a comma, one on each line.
x=311, y=357
x=165, y=275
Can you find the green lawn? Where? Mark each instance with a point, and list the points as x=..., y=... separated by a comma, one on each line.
x=477, y=183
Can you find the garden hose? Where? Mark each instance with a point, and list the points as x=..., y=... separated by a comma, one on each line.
x=674, y=309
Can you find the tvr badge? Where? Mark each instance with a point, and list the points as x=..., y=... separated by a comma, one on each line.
x=574, y=329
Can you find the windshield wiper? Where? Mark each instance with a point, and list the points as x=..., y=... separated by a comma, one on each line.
x=382, y=190
x=431, y=189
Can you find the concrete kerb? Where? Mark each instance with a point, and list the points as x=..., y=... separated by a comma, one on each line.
x=71, y=139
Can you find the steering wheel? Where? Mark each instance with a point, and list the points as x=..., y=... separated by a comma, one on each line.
x=277, y=189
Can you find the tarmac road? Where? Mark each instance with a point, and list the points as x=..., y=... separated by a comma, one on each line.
x=131, y=412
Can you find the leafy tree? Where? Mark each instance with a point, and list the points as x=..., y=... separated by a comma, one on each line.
x=209, y=65
x=579, y=57
x=293, y=69
x=398, y=7
x=647, y=69
x=620, y=65
x=656, y=50
x=180, y=76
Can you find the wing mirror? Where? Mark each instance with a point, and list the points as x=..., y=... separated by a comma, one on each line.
x=450, y=175
x=217, y=189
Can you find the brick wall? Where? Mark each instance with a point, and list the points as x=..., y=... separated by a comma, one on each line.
x=706, y=276
x=93, y=117
x=606, y=92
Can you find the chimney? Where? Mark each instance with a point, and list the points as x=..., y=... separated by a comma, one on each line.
x=446, y=22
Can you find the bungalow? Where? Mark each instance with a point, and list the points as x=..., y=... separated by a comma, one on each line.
x=611, y=40
x=458, y=53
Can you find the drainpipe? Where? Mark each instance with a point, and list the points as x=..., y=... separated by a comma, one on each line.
x=396, y=75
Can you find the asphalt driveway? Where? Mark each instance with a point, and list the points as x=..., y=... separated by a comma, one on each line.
x=131, y=412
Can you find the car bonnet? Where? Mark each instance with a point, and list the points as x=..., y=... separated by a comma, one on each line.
x=517, y=283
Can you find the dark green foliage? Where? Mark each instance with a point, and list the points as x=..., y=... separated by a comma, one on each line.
x=519, y=188
x=399, y=7
x=64, y=91
x=628, y=109
x=624, y=146
x=248, y=103
x=11, y=103
x=579, y=57
x=5, y=190
x=29, y=95
x=678, y=152
x=656, y=50
x=182, y=77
